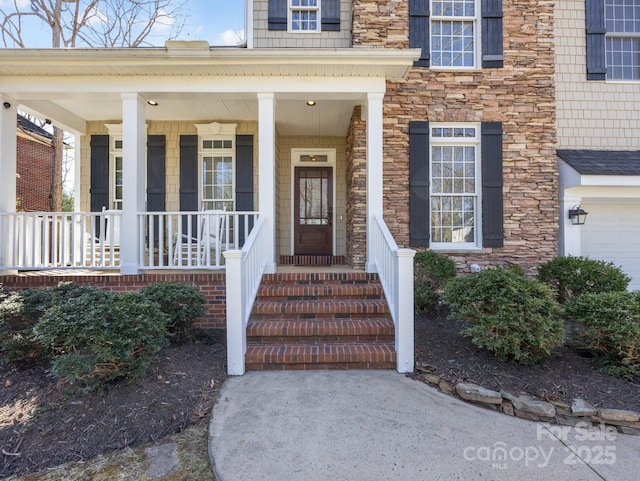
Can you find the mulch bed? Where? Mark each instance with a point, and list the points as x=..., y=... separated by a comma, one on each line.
x=567, y=374
x=43, y=425
x=47, y=426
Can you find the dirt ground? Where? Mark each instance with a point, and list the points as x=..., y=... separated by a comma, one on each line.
x=42, y=426
x=569, y=373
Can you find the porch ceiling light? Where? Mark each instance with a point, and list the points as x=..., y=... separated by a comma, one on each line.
x=577, y=215
x=311, y=103
x=153, y=103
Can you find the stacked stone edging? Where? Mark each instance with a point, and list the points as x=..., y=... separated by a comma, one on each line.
x=534, y=409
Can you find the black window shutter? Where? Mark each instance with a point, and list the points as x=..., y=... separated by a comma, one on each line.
x=99, y=190
x=156, y=179
x=330, y=15
x=278, y=14
x=188, y=172
x=419, y=184
x=492, y=55
x=244, y=179
x=596, y=65
x=492, y=211
x=419, y=30
x=156, y=173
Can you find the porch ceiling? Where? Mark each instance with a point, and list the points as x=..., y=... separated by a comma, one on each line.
x=192, y=82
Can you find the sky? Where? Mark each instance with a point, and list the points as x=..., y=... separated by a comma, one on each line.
x=219, y=22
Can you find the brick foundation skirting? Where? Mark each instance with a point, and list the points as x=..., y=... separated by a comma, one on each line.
x=212, y=286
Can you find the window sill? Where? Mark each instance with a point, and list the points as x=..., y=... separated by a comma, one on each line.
x=456, y=250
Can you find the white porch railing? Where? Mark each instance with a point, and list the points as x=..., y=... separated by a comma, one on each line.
x=191, y=240
x=395, y=269
x=60, y=240
x=91, y=240
x=244, y=272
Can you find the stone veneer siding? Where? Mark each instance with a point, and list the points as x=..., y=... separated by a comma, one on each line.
x=521, y=96
x=211, y=285
x=357, y=191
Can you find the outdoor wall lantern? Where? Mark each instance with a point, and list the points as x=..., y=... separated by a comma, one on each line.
x=577, y=215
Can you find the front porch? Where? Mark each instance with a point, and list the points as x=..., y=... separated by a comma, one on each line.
x=190, y=162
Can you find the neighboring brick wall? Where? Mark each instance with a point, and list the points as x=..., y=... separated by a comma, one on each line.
x=265, y=38
x=591, y=114
x=212, y=286
x=521, y=96
x=357, y=191
x=35, y=173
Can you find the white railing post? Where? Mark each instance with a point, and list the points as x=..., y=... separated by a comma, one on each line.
x=404, y=309
x=236, y=333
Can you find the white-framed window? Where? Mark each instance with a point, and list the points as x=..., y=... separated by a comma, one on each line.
x=217, y=172
x=304, y=15
x=622, y=21
x=454, y=156
x=454, y=31
x=115, y=173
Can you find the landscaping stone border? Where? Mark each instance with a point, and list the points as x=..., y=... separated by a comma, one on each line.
x=534, y=409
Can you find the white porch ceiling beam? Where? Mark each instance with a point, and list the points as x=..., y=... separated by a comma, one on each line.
x=45, y=109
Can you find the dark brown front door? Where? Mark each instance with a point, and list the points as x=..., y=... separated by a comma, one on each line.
x=313, y=211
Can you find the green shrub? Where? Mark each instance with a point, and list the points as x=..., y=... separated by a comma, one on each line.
x=432, y=271
x=573, y=276
x=514, y=317
x=99, y=336
x=182, y=303
x=19, y=312
x=611, y=323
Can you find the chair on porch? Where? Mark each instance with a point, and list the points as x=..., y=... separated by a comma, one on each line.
x=205, y=249
x=103, y=239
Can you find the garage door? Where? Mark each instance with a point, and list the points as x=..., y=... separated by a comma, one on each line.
x=612, y=233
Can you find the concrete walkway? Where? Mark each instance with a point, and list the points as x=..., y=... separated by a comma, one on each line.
x=380, y=425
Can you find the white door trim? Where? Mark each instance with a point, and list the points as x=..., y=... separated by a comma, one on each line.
x=296, y=154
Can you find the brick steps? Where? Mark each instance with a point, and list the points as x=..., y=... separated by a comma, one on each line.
x=320, y=321
x=303, y=355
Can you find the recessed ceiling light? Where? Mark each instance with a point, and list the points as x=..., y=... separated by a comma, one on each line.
x=153, y=103
x=311, y=103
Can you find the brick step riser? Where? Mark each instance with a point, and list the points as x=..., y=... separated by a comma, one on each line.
x=338, y=316
x=322, y=339
x=319, y=366
x=345, y=297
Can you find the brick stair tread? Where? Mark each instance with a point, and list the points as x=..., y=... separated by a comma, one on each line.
x=326, y=291
x=324, y=353
x=331, y=306
x=337, y=327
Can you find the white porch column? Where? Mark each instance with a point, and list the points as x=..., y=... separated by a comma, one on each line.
x=133, y=184
x=77, y=171
x=267, y=173
x=374, y=167
x=8, y=172
x=570, y=235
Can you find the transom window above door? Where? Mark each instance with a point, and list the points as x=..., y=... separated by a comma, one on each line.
x=304, y=15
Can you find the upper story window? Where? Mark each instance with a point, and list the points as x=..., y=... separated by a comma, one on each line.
x=304, y=15
x=454, y=33
x=622, y=22
x=457, y=34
